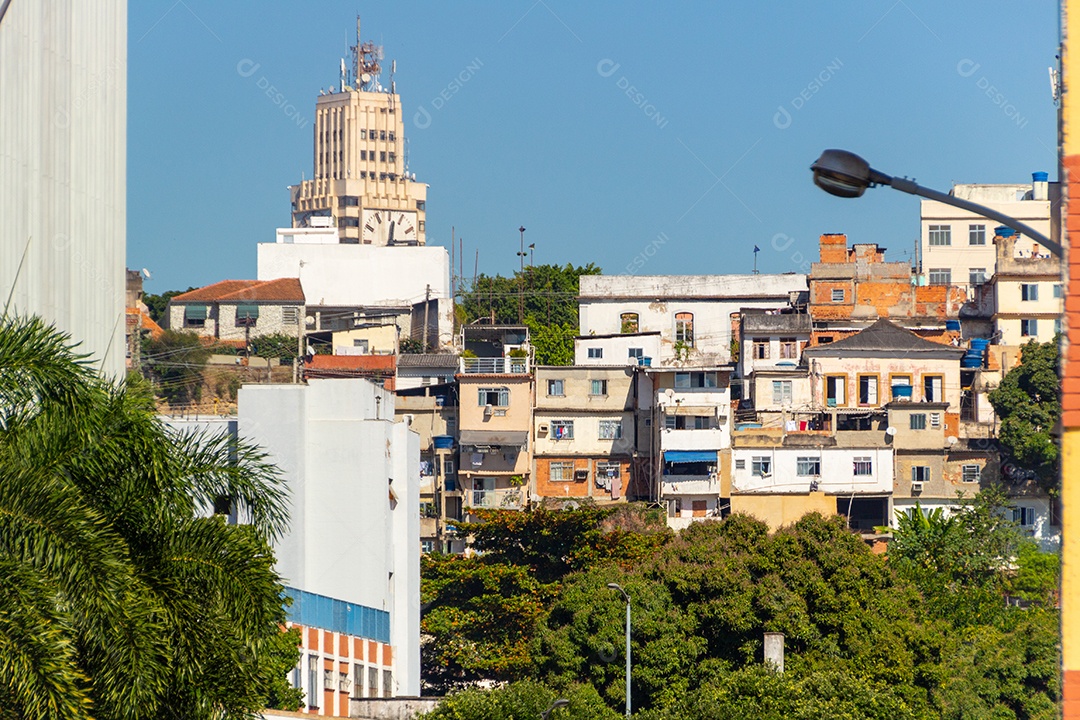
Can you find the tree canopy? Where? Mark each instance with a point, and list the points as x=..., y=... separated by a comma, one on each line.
x=547, y=296
x=123, y=597
x=1028, y=404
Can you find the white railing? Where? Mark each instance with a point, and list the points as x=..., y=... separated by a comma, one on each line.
x=493, y=366
x=507, y=498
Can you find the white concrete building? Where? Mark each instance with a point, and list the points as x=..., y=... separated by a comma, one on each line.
x=619, y=349
x=63, y=143
x=956, y=246
x=831, y=470
x=351, y=557
x=692, y=313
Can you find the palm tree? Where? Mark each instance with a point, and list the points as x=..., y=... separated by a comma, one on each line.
x=123, y=596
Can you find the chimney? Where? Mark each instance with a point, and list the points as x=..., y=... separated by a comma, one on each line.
x=774, y=650
x=1040, y=188
x=834, y=248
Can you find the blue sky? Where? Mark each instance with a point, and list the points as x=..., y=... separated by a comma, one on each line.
x=655, y=138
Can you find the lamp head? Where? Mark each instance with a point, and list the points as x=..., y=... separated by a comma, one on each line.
x=843, y=173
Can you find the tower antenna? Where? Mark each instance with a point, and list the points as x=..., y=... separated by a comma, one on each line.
x=366, y=67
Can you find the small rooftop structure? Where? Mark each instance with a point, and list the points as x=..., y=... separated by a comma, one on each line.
x=281, y=290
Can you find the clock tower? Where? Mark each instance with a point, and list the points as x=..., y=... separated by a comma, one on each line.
x=360, y=178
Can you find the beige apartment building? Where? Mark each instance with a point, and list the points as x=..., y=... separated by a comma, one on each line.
x=360, y=176
x=584, y=432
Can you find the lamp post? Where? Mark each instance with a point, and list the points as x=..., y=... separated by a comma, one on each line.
x=521, y=277
x=845, y=174
x=561, y=702
x=626, y=596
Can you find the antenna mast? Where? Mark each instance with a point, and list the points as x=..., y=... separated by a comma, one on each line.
x=366, y=66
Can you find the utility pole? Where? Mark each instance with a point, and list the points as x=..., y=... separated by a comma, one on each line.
x=427, y=306
x=521, y=278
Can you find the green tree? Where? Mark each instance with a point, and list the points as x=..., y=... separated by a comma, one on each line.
x=176, y=361
x=120, y=598
x=548, y=302
x=1028, y=404
x=523, y=700
x=282, y=346
x=156, y=304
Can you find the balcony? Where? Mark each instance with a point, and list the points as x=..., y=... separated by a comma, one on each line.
x=673, y=485
x=494, y=366
x=504, y=499
x=713, y=439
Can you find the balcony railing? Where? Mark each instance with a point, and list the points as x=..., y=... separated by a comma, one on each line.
x=493, y=366
x=507, y=499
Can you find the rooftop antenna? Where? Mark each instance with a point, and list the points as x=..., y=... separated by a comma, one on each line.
x=366, y=67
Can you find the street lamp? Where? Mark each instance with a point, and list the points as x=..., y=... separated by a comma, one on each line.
x=561, y=702
x=616, y=586
x=846, y=175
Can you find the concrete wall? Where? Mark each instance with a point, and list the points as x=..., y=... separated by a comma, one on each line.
x=837, y=471
x=338, y=450
x=615, y=350
x=381, y=340
x=801, y=396
x=63, y=145
x=781, y=510
x=358, y=275
x=884, y=369
x=402, y=708
x=221, y=321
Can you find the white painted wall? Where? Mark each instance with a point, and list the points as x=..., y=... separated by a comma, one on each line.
x=338, y=450
x=837, y=470
x=63, y=141
x=346, y=275
x=615, y=350
x=657, y=298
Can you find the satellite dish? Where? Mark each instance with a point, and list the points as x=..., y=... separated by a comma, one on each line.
x=953, y=439
x=146, y=274
x=309, y=320
x=670, y=393
x=365, y=78
x=890, y=431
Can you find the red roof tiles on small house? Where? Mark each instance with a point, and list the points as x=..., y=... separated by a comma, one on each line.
x=282, y=290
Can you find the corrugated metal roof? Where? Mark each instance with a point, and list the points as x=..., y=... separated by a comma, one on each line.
x=427, y=360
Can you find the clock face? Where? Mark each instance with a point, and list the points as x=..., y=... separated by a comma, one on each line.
x=389, y=227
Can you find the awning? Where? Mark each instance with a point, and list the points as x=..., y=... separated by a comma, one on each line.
x=247, y=312
x=506, y=438
x=690, y=456
x=194, y=312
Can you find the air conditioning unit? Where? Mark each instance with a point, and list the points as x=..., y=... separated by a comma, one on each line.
x=542, y=427
x=488, y=410
x=408, y=420
x=581, y=475
x=916, y=486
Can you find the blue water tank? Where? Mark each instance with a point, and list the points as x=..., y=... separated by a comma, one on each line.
x=901, y=391
x=1002, y=231
x=969, y=361
x=646, y=362
x=953, y=325
x=1040, y=176
x=443, y=442
x=980, y=343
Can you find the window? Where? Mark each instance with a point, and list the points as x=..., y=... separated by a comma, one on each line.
x=194, y=316
x=363, y=134
x=382, y=156
x=372, y=682
x=1025, y=516
x=699, y=508
x=382, y=134
x=789, y=348
x=932, y=388
x=598, y=387
x=689, y=422
x=1029, y=328
x=838, y=295
x=628, y=323
x=971, y=473
x=685, y=380
x=328, y=679
x=836, y=390
x=387, y=684
x=977, y=276
x=863, y=466
x=555, y=388
x=935, y=420
x=421, y=204
x=740, y=464
x=1058, y=291
x=761, y=350
x=1057, y=326
x=596, y=353
x=562, y=471
x=392, y=157
x=609, y=470
x=448, y=466
x=684, y=328
x=1029, y=291
x=920, y=473
x=610, y=429
x=562, y=429
x=498, y=397
x=976, y=235
x=781, y=392
x=940, y=276
x=899, y=381
x=358, y=680
x=918, y=421
x=761, y=466
x=635, y=353
x=390, y=136
x=808, y=466
x=868, y=385
x=313, y=680
x=940, y=235
x=363, y=154
x=825, y=339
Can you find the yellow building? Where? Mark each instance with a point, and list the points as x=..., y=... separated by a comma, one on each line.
x=360, y=176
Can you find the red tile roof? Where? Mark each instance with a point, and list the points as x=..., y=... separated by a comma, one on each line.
x=287, y=290
x=371, y=363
